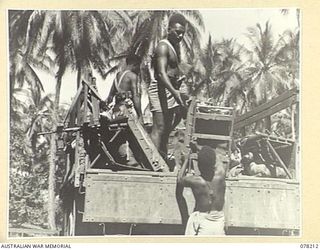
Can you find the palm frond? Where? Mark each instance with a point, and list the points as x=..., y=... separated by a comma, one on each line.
x=196, y=16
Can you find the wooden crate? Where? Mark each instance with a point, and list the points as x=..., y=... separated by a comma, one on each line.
x=209, y=125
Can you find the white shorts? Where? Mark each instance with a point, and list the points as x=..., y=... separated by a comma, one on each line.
x=206, y=223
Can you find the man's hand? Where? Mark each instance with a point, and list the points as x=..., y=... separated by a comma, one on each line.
x=103, y=105
x=179, y=99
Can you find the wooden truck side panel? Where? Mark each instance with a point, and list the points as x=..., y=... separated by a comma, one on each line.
x=137, y=197
x=262, y=203
x=132, y=197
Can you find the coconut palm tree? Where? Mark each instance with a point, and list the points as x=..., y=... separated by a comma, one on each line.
x=210, y=59
x=40, y=118
x=223, y=67
x=289, y=56
x=75, y=39
x=22, y=68
x=267, y=77
x=120, y=26
x=228, y=74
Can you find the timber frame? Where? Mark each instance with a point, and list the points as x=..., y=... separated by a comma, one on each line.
x=285, y=100
x=279, y=103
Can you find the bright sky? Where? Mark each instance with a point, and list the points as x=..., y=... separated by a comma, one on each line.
x=233, y=23
x=220, y=23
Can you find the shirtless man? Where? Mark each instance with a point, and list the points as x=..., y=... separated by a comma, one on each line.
x=209, y=191
x=164, y=95
x=125, y=89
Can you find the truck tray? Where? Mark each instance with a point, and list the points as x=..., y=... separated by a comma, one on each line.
x=149, y=197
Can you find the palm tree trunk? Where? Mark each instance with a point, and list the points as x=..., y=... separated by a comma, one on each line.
x=57, y=97
x=52, y=164
x=78, y=77
x=52, y=184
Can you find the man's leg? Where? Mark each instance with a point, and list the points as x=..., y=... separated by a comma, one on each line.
x=177, y=117
x=168, y=120
x=157, y=131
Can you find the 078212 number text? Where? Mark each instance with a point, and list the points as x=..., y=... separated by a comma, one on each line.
x=309, y=246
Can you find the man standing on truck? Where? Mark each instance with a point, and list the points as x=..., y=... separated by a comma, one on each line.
x=126, y=92
x=164, y=96
x=208, y=190
x=125, y=89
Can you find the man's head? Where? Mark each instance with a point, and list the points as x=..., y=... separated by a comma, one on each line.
x=177, y=27
x=207, y=162
x=134, y=61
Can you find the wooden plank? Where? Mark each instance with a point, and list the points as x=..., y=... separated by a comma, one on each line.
x=153, y=156
x=108, y=172
x=231, y=134
x=95, y=110
x=85, y=103
x=73, y=104
x=77, y=161
x=111, y=161
x=213, y=117
x=277, y=139
x=199, y=105
x=189, y=123
x=256, y=116
x=95, y=99
x=211, y=137
x=279, y=159
x=268, y=105
x=240, y=179
x=93, y=90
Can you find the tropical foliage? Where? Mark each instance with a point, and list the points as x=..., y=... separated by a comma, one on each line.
x=226, y=72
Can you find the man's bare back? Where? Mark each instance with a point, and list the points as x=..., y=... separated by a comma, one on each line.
x=208, y=190
x=208, y=195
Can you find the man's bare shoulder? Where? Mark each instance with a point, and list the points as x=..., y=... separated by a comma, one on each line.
x=131, y=75
x=193, y=180
x=161, y=49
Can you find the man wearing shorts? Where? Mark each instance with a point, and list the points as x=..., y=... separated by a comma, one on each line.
x=208, y=189
x=164, y=96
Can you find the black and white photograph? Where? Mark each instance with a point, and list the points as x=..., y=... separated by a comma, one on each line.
x=154, y=122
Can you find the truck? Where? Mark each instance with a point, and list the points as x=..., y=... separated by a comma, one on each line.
x=103, y=196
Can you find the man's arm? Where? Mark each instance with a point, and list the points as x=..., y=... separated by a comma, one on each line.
x=182, y=204
x=220, y=174
x=182, y=171
x=161, y=69
x=135, y=94
x=187, y=181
